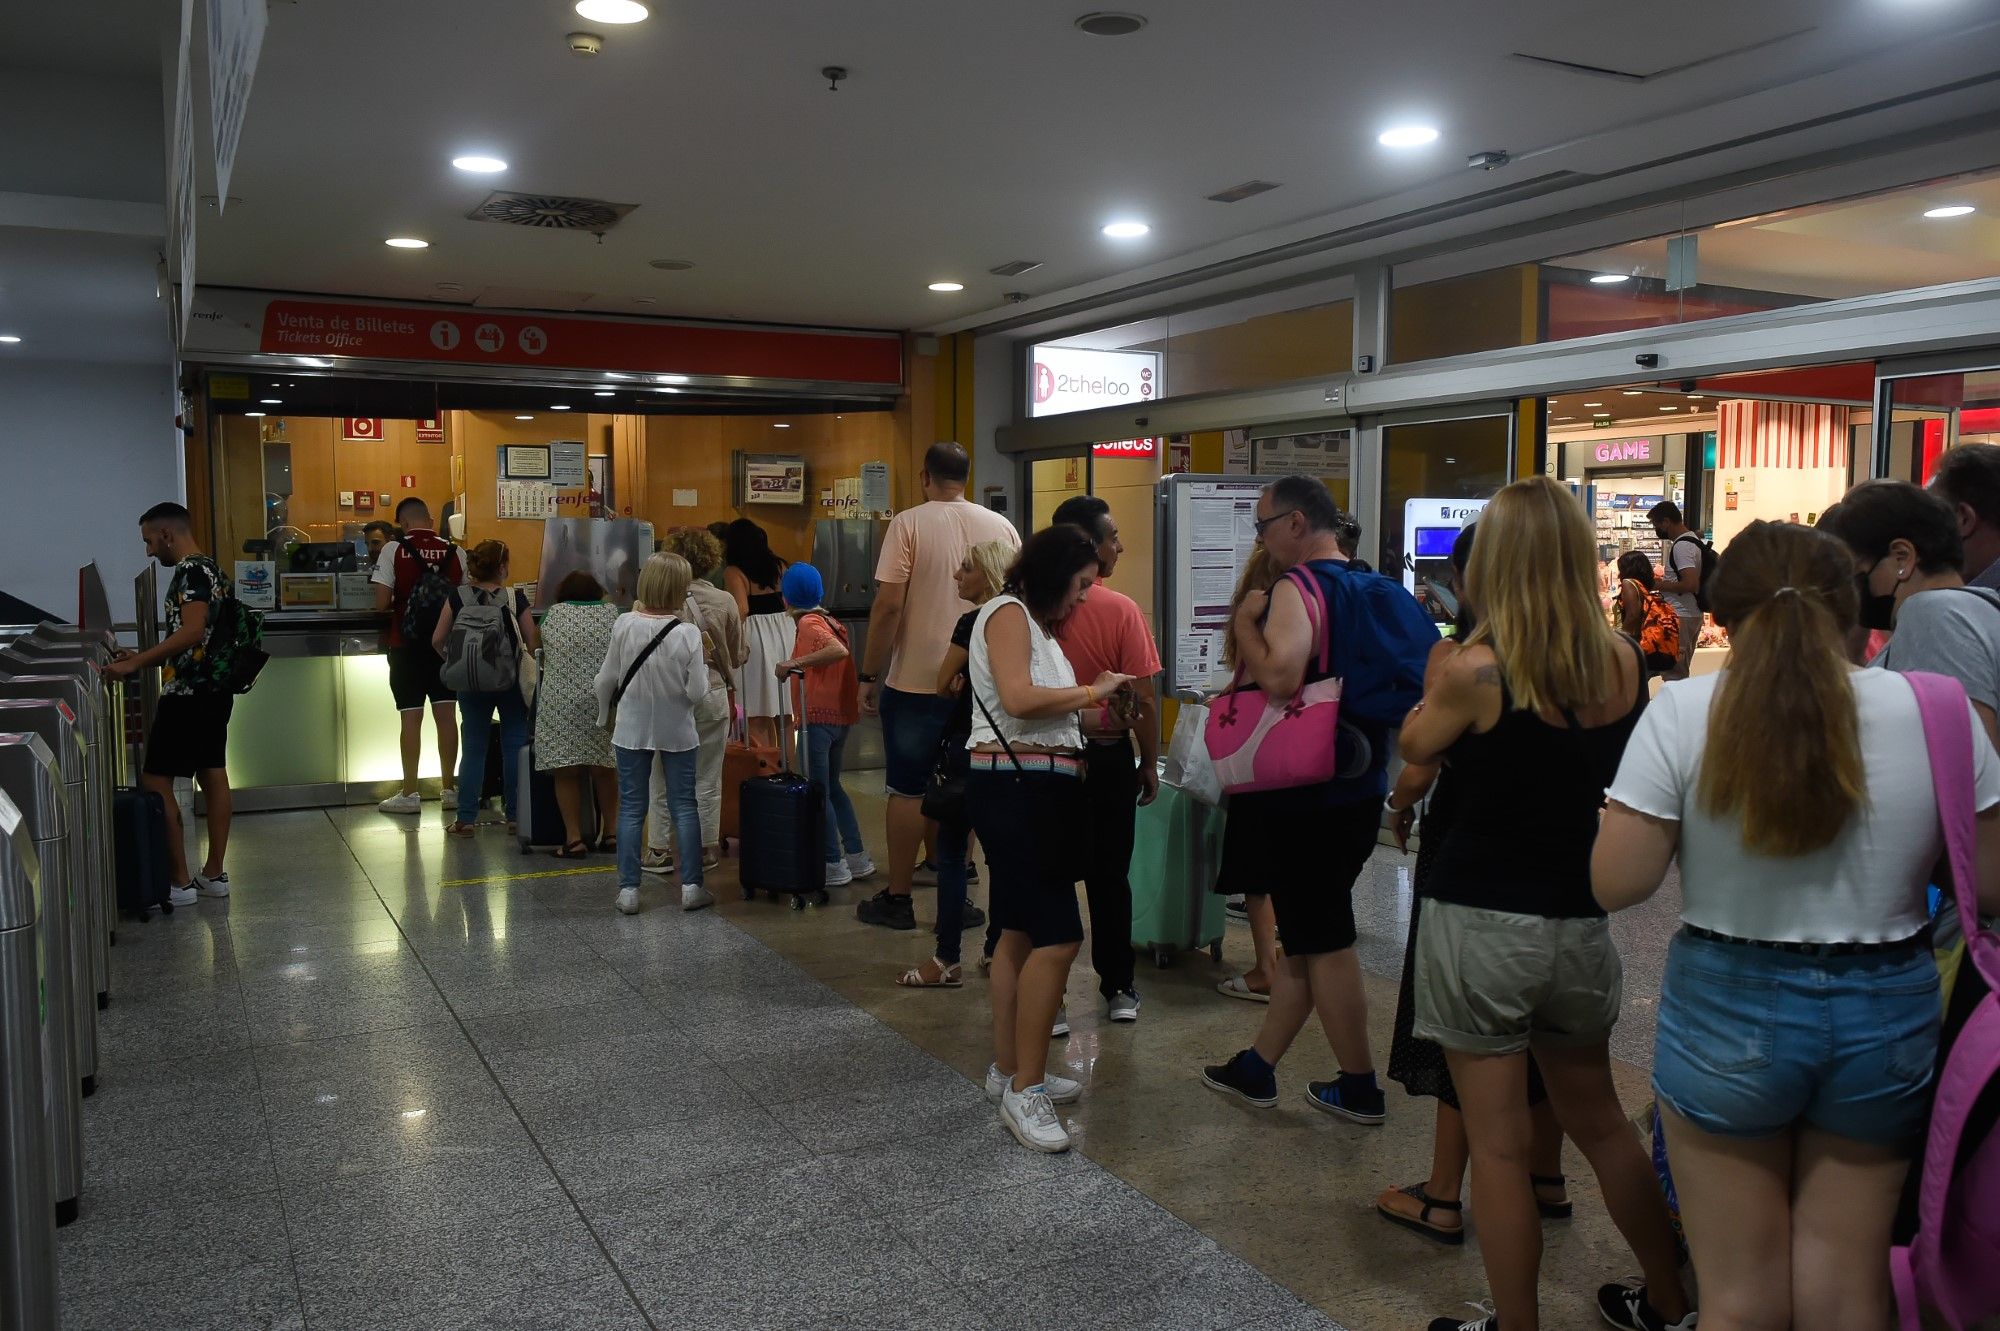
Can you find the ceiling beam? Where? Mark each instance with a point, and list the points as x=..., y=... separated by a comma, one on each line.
x=58, y=212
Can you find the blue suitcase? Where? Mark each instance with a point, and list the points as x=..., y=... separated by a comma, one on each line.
x=784, y=831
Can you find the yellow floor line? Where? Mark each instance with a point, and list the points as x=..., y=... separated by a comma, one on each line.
x=539, y=873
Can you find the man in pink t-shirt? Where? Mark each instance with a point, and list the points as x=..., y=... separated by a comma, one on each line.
x=1107, y=631
x=916, y=606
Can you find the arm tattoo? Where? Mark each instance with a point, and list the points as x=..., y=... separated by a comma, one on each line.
x=1487, y=674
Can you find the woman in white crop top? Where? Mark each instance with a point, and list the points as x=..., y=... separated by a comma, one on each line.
x=1798, y=1019
x=1023, y=793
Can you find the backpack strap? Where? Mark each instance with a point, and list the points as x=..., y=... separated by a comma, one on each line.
x=1316, y=612
x=1947, y=721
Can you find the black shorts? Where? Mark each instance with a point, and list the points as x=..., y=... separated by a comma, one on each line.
x=1034, y=865
x=414, y=677
x=1306, y=855
x=190, y=734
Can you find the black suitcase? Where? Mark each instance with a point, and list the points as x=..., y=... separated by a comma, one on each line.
x=784, y=831
x=139, y=818
x=537, y=817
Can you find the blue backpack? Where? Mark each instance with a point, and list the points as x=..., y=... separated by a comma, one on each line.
x=1381, y=640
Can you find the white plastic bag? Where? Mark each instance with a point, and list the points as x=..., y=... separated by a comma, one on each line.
x=1188, y=766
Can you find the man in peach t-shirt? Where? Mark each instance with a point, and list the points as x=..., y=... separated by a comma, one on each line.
x=916, y=606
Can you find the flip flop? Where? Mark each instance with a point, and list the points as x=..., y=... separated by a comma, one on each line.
x=1236, y=987
x=574, y=850
x=1552, y=1210
x=1451, y=1238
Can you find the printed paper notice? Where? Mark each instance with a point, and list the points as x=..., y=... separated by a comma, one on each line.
x=568, y=467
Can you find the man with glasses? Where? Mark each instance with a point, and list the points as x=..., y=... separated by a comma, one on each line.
x=1306, y=845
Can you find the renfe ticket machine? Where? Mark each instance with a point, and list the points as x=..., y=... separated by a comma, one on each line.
x=1431, y=526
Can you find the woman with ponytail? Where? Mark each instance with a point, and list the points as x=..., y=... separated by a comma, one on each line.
x=1799, y=1013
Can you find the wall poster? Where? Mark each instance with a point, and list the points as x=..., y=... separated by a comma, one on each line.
x=770, y=478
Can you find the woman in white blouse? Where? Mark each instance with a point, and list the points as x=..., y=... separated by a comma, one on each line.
x=652, y=679
x=1798, y=1020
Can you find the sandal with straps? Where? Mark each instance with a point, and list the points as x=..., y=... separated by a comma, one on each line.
x=1561, y=1210
x=573, y=850
x=1422, y=1224
x=948, y=977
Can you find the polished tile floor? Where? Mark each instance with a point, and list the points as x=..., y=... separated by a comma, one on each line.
x=400, y=1081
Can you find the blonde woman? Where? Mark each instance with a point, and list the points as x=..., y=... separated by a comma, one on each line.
x=1513, y=952
x=714, y=612
x=653, y=680
x=981, y=575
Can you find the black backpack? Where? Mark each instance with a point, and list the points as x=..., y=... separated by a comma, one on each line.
x=1708, y=562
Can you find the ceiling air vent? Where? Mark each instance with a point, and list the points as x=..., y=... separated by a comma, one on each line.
x=1238, y=193
x=551, y=211
x=1016, y=268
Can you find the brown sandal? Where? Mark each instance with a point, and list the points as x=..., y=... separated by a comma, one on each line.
x=458, y=829
x=944, y=977
x=1422, y=1223
x=574, y=850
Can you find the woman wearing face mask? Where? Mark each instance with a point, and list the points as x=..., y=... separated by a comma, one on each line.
x=1021, y=788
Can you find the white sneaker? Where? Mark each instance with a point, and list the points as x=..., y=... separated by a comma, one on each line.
x=1061, y=1026
x=217, y=886
x=1033, y=1120
x=860, y=865
x=838, y=874
x=181, y=896
x=1061, y=1090
x=656, y=861
x=696, y=897
x=448, y=797
x=408, y=802
x=628, y=900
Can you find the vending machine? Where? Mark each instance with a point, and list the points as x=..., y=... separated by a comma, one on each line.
x=1430, y=527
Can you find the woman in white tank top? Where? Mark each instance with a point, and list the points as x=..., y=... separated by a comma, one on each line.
x=1023, y=789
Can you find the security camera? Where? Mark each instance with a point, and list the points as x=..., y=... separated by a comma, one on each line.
x=1647, y=360
x=585, y=43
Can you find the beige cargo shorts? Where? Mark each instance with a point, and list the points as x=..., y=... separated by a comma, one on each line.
x=1488, y=980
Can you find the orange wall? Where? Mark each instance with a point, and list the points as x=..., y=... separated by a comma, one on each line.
x=480, y=434
x=324, y=465
x=1460, y=315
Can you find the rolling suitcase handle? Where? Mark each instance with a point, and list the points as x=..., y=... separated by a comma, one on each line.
x=799, y=733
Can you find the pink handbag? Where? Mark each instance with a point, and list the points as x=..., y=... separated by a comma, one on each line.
x=1260, y=743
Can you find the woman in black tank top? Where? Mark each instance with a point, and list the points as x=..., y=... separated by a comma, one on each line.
x=1512, y=951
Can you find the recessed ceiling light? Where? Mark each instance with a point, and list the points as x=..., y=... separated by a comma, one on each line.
x=1951, y=210
x=947, y=286
x=613, y=11
x=1601, y=415
x=603, y=392
x=253, y=413
x=645, y=300
x=9, y=338
x=671, y=265
x=484, y=166
x=560, y=406
x=670, y=378
x=1561, y=419
x=1633, y=392
x=1111, y=24
x=1669, y=408
x=1407, y=136
x=524, y=418
x=1593, y=404
x=780, y=425
x=451, y=286
x=1126, y=230
x=269, y=401
x=1610, y=279
x=1696, y=397
x=406, y=243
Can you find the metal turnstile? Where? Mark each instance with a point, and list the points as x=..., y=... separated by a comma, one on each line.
x=27, y=1210
x=54, y=722
x=25, y=677
x=29, y=778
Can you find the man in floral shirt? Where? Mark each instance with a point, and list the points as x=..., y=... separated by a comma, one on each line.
x=190, y=734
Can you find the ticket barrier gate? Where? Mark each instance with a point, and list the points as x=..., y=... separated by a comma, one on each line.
x=27, y=1208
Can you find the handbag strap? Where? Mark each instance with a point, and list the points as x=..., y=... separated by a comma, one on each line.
x=632, y=671
x=1947, y=721
x=998, y=734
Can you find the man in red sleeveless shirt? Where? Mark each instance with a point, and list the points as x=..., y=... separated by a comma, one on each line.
x=401, y=576
x=1107, y=631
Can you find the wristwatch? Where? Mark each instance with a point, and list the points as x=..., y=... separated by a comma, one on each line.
x=865, y=679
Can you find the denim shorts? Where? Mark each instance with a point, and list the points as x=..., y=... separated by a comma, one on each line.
x=1752, y=1040
x=913, y=725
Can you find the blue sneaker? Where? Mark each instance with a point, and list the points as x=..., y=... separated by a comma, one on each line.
x=1237, y=1078
x=1355, y=1105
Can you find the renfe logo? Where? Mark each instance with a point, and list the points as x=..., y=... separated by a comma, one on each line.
x=1626, y=450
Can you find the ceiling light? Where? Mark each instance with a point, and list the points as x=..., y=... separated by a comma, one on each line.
x=670, y=378
x=484, y=166
x=1610, y=279
x=1669, y=408
x=253, y=413
x=1126, y=230
x=1601, y=415
x=1561, y=419
x=612, y=11
x=603, y=392
x=560, y=406
x=1111, y=24
x=1951, y=210
x=269, y=401
x=406, y=243
x=1593, y=404
x=780, y=425
x=671, y=265
x=1633, y=392
x=524, y=418
x=947, y=286
x=645, y=300
x=1696, y=397
x=1407, y=136
x=9, y=338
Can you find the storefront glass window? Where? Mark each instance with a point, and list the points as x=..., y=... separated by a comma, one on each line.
x=1935, y=412
x=1250, y=342
x=1916, y=236
x=1428, y=471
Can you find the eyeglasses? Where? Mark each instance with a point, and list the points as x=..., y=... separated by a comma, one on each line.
x=1260, y=523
